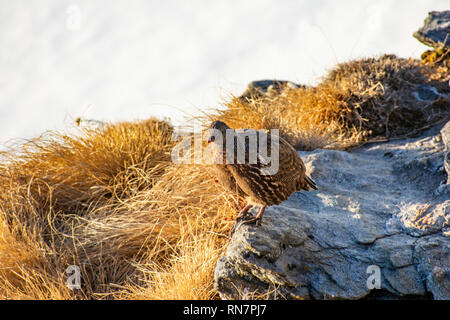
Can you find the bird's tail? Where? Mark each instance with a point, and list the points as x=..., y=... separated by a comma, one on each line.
x=311, y=182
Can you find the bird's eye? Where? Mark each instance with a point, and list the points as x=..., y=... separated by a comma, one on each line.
x=211, y=139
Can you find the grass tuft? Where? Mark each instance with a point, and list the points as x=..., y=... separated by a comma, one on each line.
x=356, y=102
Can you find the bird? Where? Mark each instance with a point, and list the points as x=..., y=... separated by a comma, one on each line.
x=250, y=179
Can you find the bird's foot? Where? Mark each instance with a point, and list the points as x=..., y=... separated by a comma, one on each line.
x=245, y=219
x=243, y=216
x=254, y=219
x=251, y=220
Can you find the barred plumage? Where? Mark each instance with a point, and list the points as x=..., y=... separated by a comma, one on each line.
x=247, y=178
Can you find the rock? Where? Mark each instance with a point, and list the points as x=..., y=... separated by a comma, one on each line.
x=445, y=133
x=435, y=30
x=262, y=88
x=425, y=92
x=377, y=222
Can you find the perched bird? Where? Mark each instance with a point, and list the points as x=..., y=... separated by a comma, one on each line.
x=250, y=177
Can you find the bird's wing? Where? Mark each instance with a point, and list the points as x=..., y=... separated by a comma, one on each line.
x=298, y=169
x=290, y=169
x=227, y=179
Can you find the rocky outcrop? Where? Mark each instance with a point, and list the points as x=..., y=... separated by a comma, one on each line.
x=445, y=134
x=266, y=88
x=435, y=31
x=379, y=225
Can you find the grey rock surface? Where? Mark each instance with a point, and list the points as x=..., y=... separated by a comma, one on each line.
x=435, y=30
x=445, y=133
x=383, y=209
x=425, y=92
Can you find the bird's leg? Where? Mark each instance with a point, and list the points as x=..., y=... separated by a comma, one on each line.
x=244, y=211
x=246, y=218
x=256, y=218
x=243, y=215
x=260, y=213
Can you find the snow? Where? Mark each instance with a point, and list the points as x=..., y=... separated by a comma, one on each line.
x=126, y=60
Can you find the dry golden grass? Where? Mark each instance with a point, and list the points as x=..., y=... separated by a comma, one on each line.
x=26, y=272
x=439, y=62
x=110, y=200
x=355, y=102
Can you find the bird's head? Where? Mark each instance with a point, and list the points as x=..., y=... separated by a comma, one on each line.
x=216, y=128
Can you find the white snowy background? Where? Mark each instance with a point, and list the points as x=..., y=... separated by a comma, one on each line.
x=132, y=59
